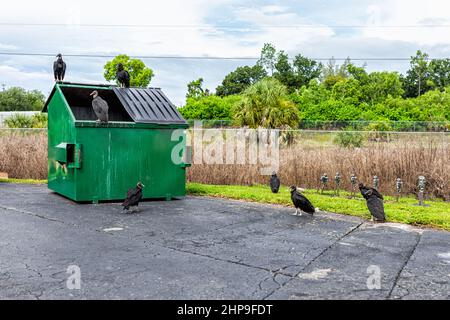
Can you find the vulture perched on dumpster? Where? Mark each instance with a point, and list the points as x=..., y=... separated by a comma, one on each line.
x=274, y=183
x=100, y=107
x=59, y=68
x=134, y=195
x=301, y=203
x=123, y=76
x=374, y=202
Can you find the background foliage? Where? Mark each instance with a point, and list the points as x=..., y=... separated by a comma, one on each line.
x=140, y=74
x=325, y=92
x=18, y=99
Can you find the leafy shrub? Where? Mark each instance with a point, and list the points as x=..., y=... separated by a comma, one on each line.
x=17, y=120
x=378, y=131
x=209, y=108
x=349, y=139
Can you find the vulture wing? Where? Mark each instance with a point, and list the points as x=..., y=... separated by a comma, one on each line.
x=376, y=208
x=377, y=194
x=301, y=202
x=124, y=78
x=134, y=195
x=100, y=107
x=274, y=184
x=63, y=71
x=127, y=79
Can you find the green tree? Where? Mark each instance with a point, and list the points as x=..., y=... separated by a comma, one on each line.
x=209, y=108
x=18, y=99
x=296, y=74
x=284, y=71
x=333, y=73
x=380, y=86
x=240, y=79
x=195, y=90
x=358, y=73
x=140, y=74
x=268, y=57
x=266, y=104
x=306, y=69
x=439, y=70
x=415, y=82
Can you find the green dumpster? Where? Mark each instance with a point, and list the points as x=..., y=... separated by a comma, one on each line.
x=144, y=140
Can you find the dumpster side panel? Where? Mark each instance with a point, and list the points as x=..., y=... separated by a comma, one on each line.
x=116, y=159
x=61, y=132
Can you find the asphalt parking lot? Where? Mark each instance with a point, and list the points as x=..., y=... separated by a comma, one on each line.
x=204, y=248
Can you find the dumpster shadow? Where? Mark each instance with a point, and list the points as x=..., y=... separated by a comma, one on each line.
x=118, y=201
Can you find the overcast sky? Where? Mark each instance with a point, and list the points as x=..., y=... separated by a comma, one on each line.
x=206, y=36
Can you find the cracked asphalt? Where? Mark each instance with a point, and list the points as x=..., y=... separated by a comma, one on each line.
x=204, y=248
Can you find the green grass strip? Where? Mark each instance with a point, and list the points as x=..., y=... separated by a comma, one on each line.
x=437, y=215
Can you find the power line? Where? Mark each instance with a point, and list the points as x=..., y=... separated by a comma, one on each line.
x=225, y=27
x=196, y=57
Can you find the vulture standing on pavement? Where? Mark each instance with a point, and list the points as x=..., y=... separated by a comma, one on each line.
x=274, y=183
x=374, y=202
x=59, y=68
x=134, y=195
x=301, y=203
x=100, y=107
x=123, y=76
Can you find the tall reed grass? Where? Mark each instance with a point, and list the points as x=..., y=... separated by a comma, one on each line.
x=23, y=155
x=311, y=155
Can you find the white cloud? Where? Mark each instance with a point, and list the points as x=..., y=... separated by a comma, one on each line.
x=410, y=13
x=8, y=47
x=173, y=75
x=273, y=9
x=280, y=34
x=17, y=75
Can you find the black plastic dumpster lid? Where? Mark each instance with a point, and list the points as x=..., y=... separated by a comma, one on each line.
x=148, y=105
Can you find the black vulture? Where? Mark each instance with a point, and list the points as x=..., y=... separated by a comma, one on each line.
x=59, y=68
x=100, y=107
x=123, y=76
x=134, y=195
x=374, y=202
x=274, y=183
x=301, y=202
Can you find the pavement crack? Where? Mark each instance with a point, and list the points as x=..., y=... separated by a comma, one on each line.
x=215, y=258
x=398, y=276
x=33, y=214
x=315, y=258
x=29, y=268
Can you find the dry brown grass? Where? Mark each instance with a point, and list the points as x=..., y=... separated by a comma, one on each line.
x=304, y=163
x=23, y=155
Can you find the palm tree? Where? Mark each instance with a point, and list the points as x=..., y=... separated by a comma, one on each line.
x=265, y=104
